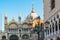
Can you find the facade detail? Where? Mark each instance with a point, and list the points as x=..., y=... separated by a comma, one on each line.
x=20, y=30
x=52, y=15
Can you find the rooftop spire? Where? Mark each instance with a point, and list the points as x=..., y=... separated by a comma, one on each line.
x=32, y=7
x=19, y=15
x=13, y=18
x=5, y=14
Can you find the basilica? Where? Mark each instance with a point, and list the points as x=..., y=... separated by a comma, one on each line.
x=18, y=30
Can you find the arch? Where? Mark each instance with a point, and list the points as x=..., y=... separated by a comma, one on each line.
x=59, y=23
x=56, y=25
x=3, y=37
x=25, y=36
x=14, y=37
x=57, y=15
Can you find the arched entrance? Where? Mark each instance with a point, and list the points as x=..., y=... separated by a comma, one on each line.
x=14, y=37
x=3, y=37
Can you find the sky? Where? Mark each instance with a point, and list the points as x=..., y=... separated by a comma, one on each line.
x=13, y=8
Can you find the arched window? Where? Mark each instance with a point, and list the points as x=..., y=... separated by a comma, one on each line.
x=56, y=25
x=50, y=29
x=54, y=19
x=53, y=26
x=52, y=4
x=51, y=20
x=25, y=36
x=59, y=24
x=57, y=16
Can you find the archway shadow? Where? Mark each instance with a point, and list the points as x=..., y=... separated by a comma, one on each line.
x=3, y=37
x=14, y=37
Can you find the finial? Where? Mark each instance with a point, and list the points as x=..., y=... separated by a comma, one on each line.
x=32, y=7
x=13, y=18
x=5, y=14
x=19, y=15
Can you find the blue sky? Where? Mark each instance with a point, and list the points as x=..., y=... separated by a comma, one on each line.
x=16, y=7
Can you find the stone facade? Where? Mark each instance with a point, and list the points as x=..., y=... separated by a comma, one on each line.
x=19, y=30
x=52, y=14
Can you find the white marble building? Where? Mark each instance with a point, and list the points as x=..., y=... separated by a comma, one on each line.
x=52, y=15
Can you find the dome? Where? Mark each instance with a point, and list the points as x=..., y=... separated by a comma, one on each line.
x=13, y=24
x=13, y=21
x=34, y=15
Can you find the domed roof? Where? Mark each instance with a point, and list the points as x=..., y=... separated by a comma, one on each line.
x=33, y=14
x=13, y=21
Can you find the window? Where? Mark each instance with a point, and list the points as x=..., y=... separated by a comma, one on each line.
x=57, y=16
x=50, y=28
x=19, y=30
x=54, y=19
x=56, y=25
x=51, y=20
x=25, y=36
x=52, y=4
x=53, y=26
x=25, y=29
x=59, y=24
